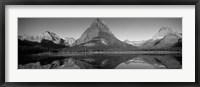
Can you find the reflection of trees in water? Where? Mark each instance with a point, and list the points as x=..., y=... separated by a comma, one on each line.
x=71, y=63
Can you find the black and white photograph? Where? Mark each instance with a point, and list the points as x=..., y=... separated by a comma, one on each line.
x=100, y=43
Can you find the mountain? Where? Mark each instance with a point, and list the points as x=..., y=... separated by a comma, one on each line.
x=169, y=40
x=46, y=42
x=46, y=36
x=99, y=36
x=134, y=43
x=163, y=32
x=30, y=38
x=166, y=38
x=69, y=40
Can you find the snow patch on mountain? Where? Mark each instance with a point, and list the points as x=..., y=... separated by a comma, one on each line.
x=135, y=43
x=69, y=40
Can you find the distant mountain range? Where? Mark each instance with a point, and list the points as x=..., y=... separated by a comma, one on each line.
x=48, y=36
x=99, y=37
x=134, y=43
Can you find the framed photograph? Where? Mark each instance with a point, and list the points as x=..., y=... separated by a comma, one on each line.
x=100, y=43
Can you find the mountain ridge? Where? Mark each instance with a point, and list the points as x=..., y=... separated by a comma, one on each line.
x=98, y=37
x=50, y=36
x=165, y=38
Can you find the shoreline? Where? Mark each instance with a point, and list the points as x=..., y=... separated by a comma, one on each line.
x=112, y=53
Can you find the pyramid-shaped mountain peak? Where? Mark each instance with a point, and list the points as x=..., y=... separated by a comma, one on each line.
x=96, y=29
x=98, y=34
x=99, y=24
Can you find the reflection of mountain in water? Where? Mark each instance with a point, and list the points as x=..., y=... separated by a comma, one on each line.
x=49, y=51
x=111, y=62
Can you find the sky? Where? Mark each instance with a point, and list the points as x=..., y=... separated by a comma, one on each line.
x=133, y=29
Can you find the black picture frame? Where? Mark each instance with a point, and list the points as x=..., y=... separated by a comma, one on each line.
x=99, y=2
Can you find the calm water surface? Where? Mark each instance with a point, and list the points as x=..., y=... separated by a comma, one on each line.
x=115, y=61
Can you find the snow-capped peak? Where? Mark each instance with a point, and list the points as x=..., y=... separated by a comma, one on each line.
x=163, y=32
x=51, y=36
x=69, y=40
x=47, y=35
x=134, y=43
x=30, y=38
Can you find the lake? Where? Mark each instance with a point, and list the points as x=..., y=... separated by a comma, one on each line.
x=103, y=61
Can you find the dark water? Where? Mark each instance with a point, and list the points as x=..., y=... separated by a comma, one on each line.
x=108, y=61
